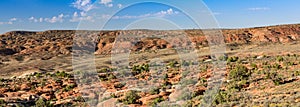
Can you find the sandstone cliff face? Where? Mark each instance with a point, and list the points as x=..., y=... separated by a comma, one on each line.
x=57, y=42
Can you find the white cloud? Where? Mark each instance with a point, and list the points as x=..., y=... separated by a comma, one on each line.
x=162, y=13
x=54, y=19
x=120, y=5
x=10, y=21
x=110, y=5
x=82, y=16
x=105, y=1
x=13, y=19
x=41, y=19
x=105, y=16
x=59, y=18
x=167, y=12
x=84, y=5
x=258, y=8
x=33, y=19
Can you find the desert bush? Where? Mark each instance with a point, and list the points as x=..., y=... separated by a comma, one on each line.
x=279, y=58
x=172, y=64
x=187, y=95
x=107, y=77
x=185, y=63
x=154, y=91
x=232, y=59
x=188, y=104
x=223, y=58
x=111, y=76
x=2, y=79
x=222, y=97
x=38, y=75
x=137, y=69
x=277, y=79
x=131, y=97
x=70, y=87
x=62, y=74
x=2, y=101
x=156, y=101
x=296, y=73
x=104, y=70
x=239, y=73
x=79, y=98
x=276, y=66
x=237, y=85
x=41, y=103
x=253, y=65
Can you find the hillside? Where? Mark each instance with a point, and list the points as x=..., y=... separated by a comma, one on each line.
x=262, y=69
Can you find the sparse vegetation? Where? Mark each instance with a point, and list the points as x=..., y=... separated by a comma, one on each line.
x=239, y=73
x=131, y=97
x=251, y=78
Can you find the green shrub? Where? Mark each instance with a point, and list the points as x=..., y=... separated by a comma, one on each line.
x=223, y=58
x=297, y=73
x=2, y=101
x=104, y=70
x=2, y=79
x=113, y=95
x=41, y=103
x=185, y=63
x=156, y=101
x=188, y=104
x=222, y=97
x=277, y=79
x=70, y=87
x=232, y=59
x=62, y=74
x=131, y=97
x=237, y=85
x=239, y=73
x=173, y=63
x=137, y=69
x=276, y=66
x=106, y=77
x=111, y=76
x=38, y=75
x=79, y=98
x=279, y=58
x=253, y=65
x=154, y=91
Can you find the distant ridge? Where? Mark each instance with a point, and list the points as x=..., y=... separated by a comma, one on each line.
x=55, y=42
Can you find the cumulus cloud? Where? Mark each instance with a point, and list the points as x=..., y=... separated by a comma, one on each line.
x=59, y=18
x=162, y=13
x=120, y=5
x=105, y=1
x=33, y=19
x=110, y=5
x=258, y=8
x=54, y=19
x=10, y=21
x=84, y=5
x=167, y=12
x=81, y=16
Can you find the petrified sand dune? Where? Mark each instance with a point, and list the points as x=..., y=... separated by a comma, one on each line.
x=57, y=42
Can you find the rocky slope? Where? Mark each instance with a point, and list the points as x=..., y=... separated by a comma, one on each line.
x=267, y=74
x=60, y=42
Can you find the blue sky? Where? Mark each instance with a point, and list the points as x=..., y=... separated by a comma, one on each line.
x=38, y=15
